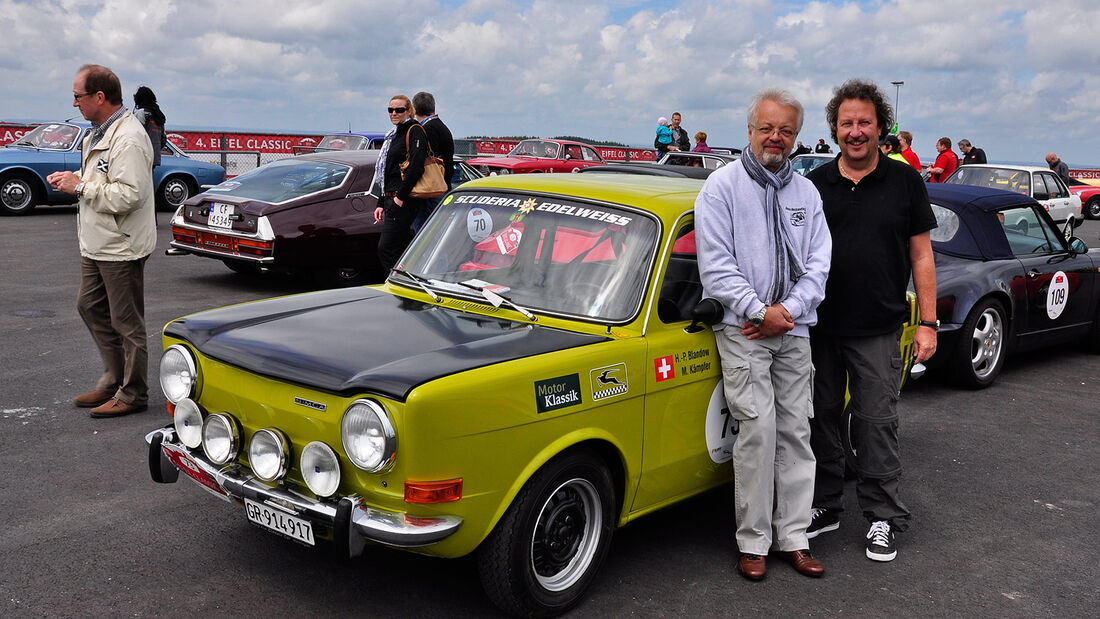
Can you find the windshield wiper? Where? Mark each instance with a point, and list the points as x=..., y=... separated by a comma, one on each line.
x=498, y=300
x=420, y=281
x=23, y=143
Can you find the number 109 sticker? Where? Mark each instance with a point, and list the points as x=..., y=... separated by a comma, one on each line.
x=1057, y=294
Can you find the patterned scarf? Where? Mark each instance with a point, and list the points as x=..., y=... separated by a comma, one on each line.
x=380, y=166
x=788, y=266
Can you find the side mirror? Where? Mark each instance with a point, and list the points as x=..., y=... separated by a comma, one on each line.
x=708, y=312
x=1077, y=246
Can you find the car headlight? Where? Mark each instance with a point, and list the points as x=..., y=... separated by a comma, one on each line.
x=220, y=438
x=499, y=172
x=368, y=435
x=187, y=420
x=320, y=468
x=268, y=452
x=178, y=373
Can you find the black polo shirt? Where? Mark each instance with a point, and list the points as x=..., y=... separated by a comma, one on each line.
x=871, y=224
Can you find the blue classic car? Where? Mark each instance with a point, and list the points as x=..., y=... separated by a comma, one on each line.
x=51, y=147
x=1008, y=280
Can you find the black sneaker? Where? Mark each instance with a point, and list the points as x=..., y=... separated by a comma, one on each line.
x=880, y=541
x=822, y=520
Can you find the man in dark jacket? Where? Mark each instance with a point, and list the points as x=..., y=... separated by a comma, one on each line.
x=441, y=143
x=680, y=137
x=971, y=153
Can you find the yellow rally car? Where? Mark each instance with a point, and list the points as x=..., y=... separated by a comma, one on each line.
x=528, y=379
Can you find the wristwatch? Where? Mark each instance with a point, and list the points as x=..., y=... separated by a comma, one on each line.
x=934, y=324
x=757, y=319
x=79, y=189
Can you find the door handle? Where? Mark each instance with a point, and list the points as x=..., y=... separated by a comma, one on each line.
x=1033, y=273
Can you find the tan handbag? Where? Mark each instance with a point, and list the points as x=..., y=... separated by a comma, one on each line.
x=433, y=182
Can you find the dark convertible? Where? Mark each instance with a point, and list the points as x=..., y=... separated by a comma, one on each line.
x=1008, y=281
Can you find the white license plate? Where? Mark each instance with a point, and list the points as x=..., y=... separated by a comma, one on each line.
x=279, y=521
x=220, y=215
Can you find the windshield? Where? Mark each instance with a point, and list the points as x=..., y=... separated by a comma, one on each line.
x=536, y=148
x=284, y=180
x=51, y=136
x=548, y=254
x=343, y=142
x=803, y=165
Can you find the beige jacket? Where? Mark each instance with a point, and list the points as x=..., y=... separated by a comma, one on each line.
x=117, y=218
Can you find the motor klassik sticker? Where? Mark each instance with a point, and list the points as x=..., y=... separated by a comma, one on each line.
x=554, y=393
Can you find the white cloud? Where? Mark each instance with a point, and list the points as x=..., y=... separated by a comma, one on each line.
x=1013, y=77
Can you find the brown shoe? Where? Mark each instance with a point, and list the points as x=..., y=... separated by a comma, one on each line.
x=116, y=408
x=93, y=398
x=805, y=563
x=752, y=567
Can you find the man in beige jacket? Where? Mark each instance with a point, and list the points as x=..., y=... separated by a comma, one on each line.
x=116, y=227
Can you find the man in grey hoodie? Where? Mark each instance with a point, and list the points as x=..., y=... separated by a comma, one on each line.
x=764, y=252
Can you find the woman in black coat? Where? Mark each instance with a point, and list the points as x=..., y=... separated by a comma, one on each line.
x=396, y=210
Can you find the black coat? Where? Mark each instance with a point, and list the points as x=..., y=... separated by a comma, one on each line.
x=443, y=145
x=418, y=147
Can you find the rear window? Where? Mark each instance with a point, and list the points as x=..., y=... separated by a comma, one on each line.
x=284, y=180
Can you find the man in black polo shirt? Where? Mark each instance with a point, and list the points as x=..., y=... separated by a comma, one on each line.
x=879, y=216
x=971, y=153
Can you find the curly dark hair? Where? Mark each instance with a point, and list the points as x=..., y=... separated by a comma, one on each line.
x=864, y=91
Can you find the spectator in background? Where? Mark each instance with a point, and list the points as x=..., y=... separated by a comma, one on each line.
x=946, y=162
x=907, y=151
x=1060, y=168
x=396, y=209
x=891, y=147
x=801, y=150
x=148, y=112
x=663, y=141
x=971, y=153
x=442, y=144
x=822, y=147
x=701, y=143
x=680, y=140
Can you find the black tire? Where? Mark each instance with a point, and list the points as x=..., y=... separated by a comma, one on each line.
x=242, y=267
x=1092, y=208
x=980, y=352
x=174, y=191
x=19, y=194
x=547, y=548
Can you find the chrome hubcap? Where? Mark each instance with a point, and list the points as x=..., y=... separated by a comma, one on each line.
x=985, y=349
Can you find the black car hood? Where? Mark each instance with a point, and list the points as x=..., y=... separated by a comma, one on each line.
x=362, y=340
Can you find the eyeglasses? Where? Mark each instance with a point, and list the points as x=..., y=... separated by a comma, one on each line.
x=396, y=110
x=78, y=95
x=784, y=133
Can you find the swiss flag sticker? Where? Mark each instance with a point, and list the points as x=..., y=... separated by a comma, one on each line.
x=663, y=368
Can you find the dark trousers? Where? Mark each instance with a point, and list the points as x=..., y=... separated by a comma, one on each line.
x=869, y=368
x=111, y=302
x=396, y=230
x=425, y=212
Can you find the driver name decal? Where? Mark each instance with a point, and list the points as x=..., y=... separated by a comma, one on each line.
x=524, y=206
x=1057, y=295
x=554, y=393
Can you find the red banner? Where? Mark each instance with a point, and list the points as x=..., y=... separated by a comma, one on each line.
x=258, y=142
x=1091, y=175
x=10, y=132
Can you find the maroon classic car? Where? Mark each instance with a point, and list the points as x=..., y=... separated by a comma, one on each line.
x=540, y=156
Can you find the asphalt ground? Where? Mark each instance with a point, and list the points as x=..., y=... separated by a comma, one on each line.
x=1002, y=483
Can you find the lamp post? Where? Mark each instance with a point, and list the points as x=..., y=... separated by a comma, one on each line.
x=897, y=92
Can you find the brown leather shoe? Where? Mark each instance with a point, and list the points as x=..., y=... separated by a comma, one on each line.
x=753, y=567
x=116, y=408
x=805, y=563
x=93, y=398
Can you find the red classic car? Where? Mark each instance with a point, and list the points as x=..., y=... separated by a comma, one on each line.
x=540, y=156
x=1090, y=197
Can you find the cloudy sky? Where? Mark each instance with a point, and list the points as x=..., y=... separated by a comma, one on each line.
x=1017, y=78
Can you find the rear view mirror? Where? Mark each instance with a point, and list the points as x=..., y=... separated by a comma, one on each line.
x=708, y=312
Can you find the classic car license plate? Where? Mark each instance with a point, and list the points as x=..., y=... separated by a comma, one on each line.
x=220, y=215
x=279, y=521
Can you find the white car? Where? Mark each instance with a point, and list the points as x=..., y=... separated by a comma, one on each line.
x=1035, y=181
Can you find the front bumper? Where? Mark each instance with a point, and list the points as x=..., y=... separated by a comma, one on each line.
x=353, y=523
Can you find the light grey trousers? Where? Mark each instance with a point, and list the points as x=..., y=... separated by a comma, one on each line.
x=768, y=388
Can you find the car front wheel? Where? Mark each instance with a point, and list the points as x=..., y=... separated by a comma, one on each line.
x=18, y=194
x=173, y=192
x=980, y=352
x=546, y=550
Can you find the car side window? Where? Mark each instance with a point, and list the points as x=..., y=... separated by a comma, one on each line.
x=1054, y=189
x=1027, y=233
x=681, y=289
x=590, y=155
